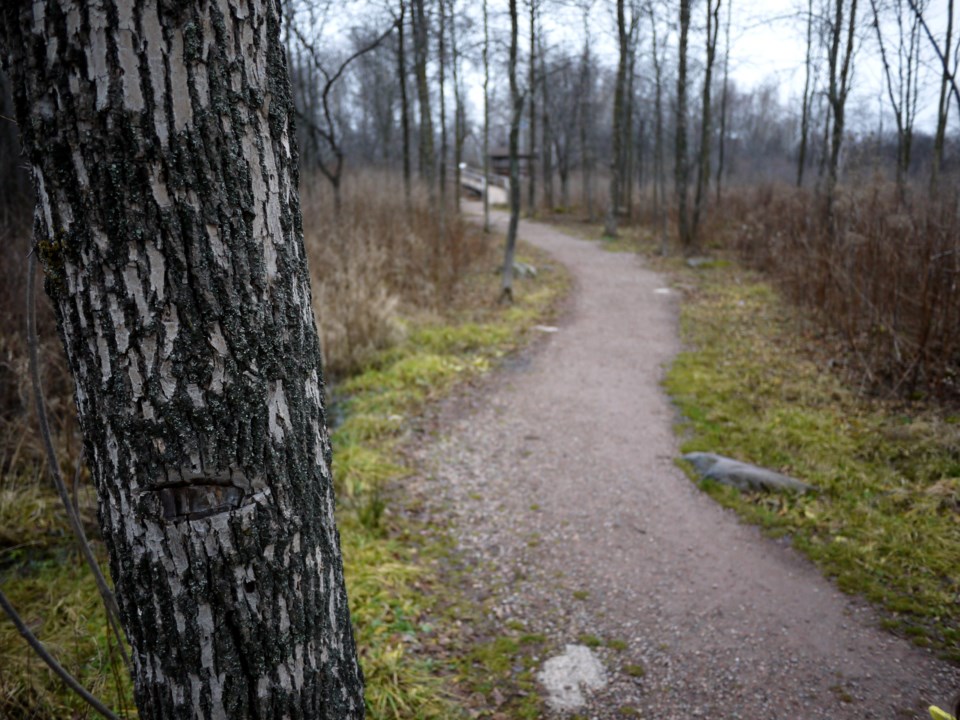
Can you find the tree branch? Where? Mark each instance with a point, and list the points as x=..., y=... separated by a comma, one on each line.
x=57, y=668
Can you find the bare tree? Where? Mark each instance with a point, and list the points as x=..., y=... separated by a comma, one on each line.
x=168, y=225
x=323, y=124
x=404, y=104
x=532, y=91
x=585, y=114
x=681, y=161
x=460, y=117
x=486, y=118
x=948, y=74
x=659, y=166
x=839, y=62
x=444, y=147
x=420, y=51
x=547, y=151
x=616, y=162
x=706, y=120
x=808, y=88
x=721, y=151
x=902, y=90
x=516, y=102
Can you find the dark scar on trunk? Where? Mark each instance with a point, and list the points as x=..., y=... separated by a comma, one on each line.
x=198, y=497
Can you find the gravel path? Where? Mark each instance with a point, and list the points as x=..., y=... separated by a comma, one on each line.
x=560, y=474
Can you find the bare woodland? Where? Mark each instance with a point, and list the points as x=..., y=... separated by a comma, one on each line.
x=209, y=140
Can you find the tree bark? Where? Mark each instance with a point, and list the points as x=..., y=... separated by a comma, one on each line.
x=168, y=222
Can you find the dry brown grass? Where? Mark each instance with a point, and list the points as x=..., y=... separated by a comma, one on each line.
x=378, y=262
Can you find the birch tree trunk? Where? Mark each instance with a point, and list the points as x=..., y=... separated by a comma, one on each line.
x=161, y=141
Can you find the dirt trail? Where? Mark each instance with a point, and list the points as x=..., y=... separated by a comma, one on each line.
x=561, y=475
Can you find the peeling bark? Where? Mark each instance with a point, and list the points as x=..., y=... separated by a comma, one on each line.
x=168, y=222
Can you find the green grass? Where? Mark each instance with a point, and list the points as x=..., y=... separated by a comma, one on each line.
x=403, y=608
x=887, y=522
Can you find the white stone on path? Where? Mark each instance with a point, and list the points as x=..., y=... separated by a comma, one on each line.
x=566, y=676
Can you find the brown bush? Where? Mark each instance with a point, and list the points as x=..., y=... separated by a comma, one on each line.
x=881, y=275
x=377, y=261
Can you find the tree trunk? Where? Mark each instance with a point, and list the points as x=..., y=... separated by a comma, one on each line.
x=586, y=96
x=681, y=164
x=168, y=225
x=444, y=147
x=404, y=105
x=547, y=154
x=532, y=149
x=427, y=159
x=837, y=92
x=616, y=161
x=706, y=121
x=516, y=101
x=486, y=120
x=659, y=169
x=942, y=106
x=628, y=153
x=721, y=151
x=807, y=96
x=459, y=122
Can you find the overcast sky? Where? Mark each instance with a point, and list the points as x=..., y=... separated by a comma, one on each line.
x=768, y=45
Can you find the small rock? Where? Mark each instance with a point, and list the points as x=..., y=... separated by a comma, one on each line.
x=564, y=677
x=743, y=476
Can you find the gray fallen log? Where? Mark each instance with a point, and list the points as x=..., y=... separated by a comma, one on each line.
x=743, y=476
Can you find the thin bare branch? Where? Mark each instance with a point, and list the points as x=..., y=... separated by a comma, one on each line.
x=41, y=651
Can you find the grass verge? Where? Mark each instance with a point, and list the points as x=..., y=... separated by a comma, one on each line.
x=887, y=522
